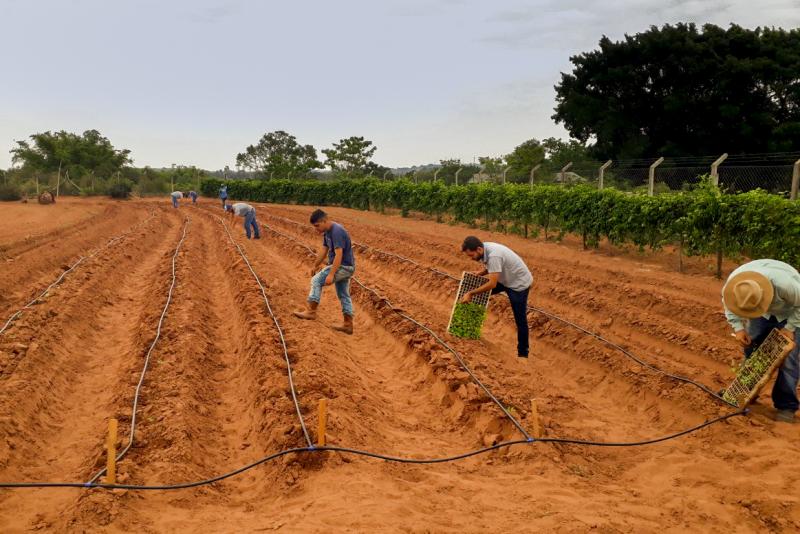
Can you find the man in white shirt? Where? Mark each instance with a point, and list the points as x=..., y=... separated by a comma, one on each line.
x=176, y=195
x=241, y=209
x=507, y=273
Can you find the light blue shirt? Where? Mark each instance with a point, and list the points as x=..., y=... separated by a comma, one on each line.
x=512, y=271
x=785, y=304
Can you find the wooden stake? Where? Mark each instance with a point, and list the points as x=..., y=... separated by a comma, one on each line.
x=323, y=420
x=537, y=430
x=111, y=451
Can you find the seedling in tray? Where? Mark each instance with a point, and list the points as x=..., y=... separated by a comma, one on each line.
x=756, y=370
x=466, y=320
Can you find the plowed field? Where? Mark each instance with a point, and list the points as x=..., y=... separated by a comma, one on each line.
x=216, y=394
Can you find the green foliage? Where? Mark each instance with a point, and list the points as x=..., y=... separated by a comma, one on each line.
x=523, y=159
x=350, y=157
x=10, y=192
x=680, y=91
x=279, y=155
x=705, y=221
x=120, y=190
x=467, y=320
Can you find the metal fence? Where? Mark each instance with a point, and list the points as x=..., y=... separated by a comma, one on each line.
x=777, y=173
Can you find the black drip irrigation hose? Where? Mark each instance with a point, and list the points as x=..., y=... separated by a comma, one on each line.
x=368, y=454
x=280, y=333
x=433, y=334
x=72, y=268
x=550, y=315
x=135, y=407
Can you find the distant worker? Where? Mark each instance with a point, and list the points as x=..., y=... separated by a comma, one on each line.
x=341, y=265
x=193, y=195
x=508, y=274
x=176, y=195
x=758, y=297
x=223, y=194
x=241, y=209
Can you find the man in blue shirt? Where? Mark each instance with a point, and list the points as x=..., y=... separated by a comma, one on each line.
x=758, y=297
x=338, y=250
x=223, y=194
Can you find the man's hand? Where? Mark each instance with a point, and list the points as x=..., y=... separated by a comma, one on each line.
x=787, y=334
x=313, y=270
x=467, y=297
x=329, y=279
x=743, y=338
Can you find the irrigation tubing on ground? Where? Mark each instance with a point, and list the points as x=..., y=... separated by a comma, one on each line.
x=280, y=333
x=69, y=270
x=551, y=315
x=378, y=456
x=135, y=407
x=430, y=332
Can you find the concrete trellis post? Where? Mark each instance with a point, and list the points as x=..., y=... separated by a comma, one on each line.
x=458, y=172
x=601, y=174
x=652, y=176
x=384, y=175
x=715, y=168
x=504, y=174
x=564, y=172
x=436, y=174
x=533, y=171
x=795, y=180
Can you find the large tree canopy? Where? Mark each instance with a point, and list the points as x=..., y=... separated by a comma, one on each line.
x=524, y=157
x=677, y=91
x=279, y=155
x=89, y=153
x=350, y=156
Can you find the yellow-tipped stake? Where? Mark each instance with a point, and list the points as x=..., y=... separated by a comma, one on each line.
x=323, y=421
x=537, y=430
x=111, y=451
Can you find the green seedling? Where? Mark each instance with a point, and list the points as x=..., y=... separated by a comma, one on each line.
x=467, y=320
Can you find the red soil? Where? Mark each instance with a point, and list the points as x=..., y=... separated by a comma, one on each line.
x=216, y=395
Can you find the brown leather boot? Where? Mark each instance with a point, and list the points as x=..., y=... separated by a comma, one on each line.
x=346, y=326
x=309, y=313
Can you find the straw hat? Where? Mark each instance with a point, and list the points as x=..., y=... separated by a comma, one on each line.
x=748, y=294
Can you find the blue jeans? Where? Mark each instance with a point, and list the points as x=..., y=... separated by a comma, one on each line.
x=174, y=202
x=784, y=393
x=250, y=221
x=194, y=199
x=223, y=201
x=342, y=282
x=519, y=305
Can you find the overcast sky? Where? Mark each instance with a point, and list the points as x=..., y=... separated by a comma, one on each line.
x=195, y=81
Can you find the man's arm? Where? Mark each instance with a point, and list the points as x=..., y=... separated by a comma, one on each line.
x=482, y=272
x=337, y=262
x=488, y=286
x=319, y=259
x=790, y=294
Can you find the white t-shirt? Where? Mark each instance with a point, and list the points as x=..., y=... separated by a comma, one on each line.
x=514, y=274
x=177, y=194
x=241, y=209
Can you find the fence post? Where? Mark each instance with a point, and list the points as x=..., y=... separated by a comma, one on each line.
x=564, y=171
x=651, y=182
x=601, y=173
x=384, y=175
x=436, y=174
x=58, y=183
x=458, y=172
x=414, y=175
x=37, y=185
x=795, y=180
x=504, y=174
x=715, y=168
x=533, y=171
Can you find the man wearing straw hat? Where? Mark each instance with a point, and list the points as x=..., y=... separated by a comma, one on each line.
x=758, y=297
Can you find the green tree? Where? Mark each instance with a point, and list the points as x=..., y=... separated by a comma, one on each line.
x=350, y=156
x=493, y=167
x=679, y=90
x=523, y=159
x=279, y=155
x=80, y=155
